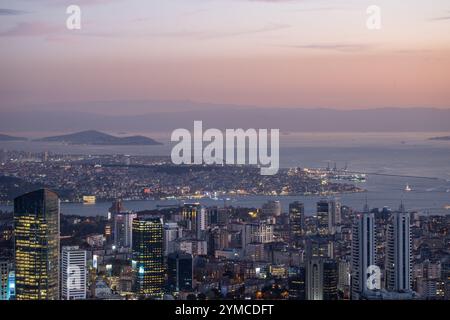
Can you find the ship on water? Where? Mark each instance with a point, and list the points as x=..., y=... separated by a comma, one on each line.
x=408, y=188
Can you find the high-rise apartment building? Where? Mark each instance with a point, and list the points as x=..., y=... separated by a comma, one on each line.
x=122, y=232
x=73, y=273
x=363, y=251
x=194, y=217
x=398, y=252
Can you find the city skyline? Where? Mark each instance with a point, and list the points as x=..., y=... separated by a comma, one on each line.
x=255, y=250
x=242, y=154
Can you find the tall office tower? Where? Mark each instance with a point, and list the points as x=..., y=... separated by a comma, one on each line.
x=330, y=279
x=179, y=271
x=296, y=220
x=123, y=225
x=321, y=279
x=363, y=251
x=314, y=279
x=148, y=255
x=5, y=268
x=328, y=216
x=172, y=232
x=194, y=218
x=297, y=283
x=323, y=216
x=398, y=255
x=335, y=216
x=73, y=273
x=36, y=228
x=271, y=209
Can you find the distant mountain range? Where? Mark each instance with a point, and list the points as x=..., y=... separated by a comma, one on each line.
x=5, y=137
x=159, y=117
x=92, y=137
x=447, y=138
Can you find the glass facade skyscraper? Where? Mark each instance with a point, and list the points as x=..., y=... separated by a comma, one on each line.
x=323, y=216
x=296, y=220
x=179, y=271
x=330, y=280
x=148, y=260
x=36, y=228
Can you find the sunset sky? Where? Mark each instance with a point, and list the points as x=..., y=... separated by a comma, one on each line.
x=305, y=53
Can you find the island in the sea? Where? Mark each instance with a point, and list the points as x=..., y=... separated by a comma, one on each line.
x=446, y=138
x=4, y=137
x=93, y=137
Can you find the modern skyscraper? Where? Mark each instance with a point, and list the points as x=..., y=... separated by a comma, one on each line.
x=335, y=215
x=330, y=279
x=73, y=273
x=323, y=215
x=321, y=279
x=296, y=220
x=314, y=279
x=363, y=251
x=194, y=217
x=398, y=255
x=179, y=270
x=123, y=225
x=36, y=228
x=172, y=232
x=148, y=255
x=297, y=283
x=328, y=216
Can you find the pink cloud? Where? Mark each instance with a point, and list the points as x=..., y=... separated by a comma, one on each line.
x=31, y=29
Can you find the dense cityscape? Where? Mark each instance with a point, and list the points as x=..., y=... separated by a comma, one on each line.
x=224, y=159
x=108, y=177
x=196, y=252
